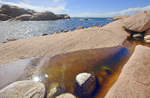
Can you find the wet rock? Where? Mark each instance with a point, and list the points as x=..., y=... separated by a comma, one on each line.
x=134, y=79
x=137, y=36
x=66, y=95
x=55, y=91
x=85, y=84
x=10, y=39
x=23, y=89
x=138, y=22
x=44, y=34
x=147, y=38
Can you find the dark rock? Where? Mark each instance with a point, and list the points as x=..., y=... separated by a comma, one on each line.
x=44, y=34
x=85, y=84
x=14, y=11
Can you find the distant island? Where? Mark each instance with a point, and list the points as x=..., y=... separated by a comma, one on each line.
x=13, y=13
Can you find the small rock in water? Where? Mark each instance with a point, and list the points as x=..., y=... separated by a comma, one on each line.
x=23, y=89
x=85, y=84
x=66, y=95
x=147, y=38
x=55, y=91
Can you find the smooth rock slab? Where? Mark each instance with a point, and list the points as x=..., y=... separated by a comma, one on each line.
x=134, y=79
x=23, y=89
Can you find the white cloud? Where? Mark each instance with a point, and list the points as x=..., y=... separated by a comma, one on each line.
x=128, y=11
x=56, y=9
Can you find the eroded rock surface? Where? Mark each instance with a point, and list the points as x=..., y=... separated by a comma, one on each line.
x=134, y=79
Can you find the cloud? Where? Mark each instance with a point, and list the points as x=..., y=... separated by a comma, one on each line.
x=22, y=4
x=128, y=11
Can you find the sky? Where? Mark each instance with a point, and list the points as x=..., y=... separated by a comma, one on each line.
x=84, y=8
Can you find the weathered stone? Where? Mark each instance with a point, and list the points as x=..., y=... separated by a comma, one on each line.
x=147, y=32
x=85, y=84
x=23, y=89
x=134, y=79
x=138, y=22
x=66, y=95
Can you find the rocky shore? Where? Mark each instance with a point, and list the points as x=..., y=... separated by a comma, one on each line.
x=13, y=13
x=87, y=70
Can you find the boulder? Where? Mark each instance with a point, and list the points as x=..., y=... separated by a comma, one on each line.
x=119, y=17
x=14, y=11
x=23, y=89
x=4, y=17
x=85, y=84
x=10, y=39
x=134, y=79
x=62, y=16
x=66, y=95
x=138, y=22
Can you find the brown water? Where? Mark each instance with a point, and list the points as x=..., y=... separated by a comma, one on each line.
x=104, y=63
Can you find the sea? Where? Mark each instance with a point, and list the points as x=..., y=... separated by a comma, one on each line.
x=25, y=29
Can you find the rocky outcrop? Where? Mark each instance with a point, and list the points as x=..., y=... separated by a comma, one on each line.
x=139, y=22
x=23, y=89
x=134, y=79
x=119, y=17
x=8, y=12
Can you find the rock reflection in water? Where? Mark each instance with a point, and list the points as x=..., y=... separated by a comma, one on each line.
x=62, y=69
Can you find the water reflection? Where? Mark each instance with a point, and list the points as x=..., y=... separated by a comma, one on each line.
x=62, y=69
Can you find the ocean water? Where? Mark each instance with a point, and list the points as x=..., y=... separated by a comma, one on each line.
x=24, y=29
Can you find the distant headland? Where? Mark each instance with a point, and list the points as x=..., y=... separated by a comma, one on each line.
x=12, y=13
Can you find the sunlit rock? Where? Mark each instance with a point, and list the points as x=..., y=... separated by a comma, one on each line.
x=66, y=95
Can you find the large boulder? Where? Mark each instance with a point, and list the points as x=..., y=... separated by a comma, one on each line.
x=138, y=22
x=134, y=79
x=14, y=11
x=23, y=89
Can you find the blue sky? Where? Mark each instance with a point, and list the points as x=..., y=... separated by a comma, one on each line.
x=84, y=8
